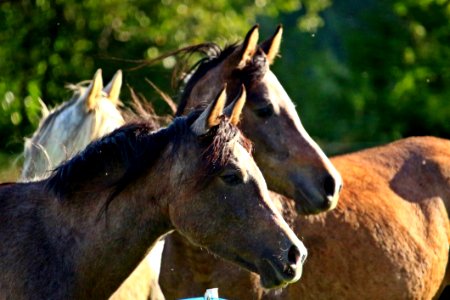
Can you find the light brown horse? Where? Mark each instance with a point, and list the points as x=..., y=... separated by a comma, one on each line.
x=390, y=236
x=81, y=232
x=90, y=114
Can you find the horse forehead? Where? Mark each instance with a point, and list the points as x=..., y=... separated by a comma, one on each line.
x=109, y=110
x=242, y=157
x=276, y=92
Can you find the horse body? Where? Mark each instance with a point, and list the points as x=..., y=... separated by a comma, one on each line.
x=388, y=238
x=54, y=250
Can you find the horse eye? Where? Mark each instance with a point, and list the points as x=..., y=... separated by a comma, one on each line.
x=265, y=111
x=232, y=179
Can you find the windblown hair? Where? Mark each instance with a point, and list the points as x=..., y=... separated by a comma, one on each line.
x=252, y=72
x=77, y=90
x=217, y=153
x=116, y=160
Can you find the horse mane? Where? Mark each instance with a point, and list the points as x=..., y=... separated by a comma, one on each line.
x=116, y=160
x=54, y=113
x=253, y=71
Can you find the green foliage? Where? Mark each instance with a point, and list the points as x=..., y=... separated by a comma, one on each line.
x=46, y=44
x=377, y=71
x=361, y=73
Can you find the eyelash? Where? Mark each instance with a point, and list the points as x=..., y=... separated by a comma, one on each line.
x=232, y=179
x=265, y=112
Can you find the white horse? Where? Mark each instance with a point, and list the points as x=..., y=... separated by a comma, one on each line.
x=91, y=113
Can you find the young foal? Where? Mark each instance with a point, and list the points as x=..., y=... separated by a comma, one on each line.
x=90, y=114
x=79, y=233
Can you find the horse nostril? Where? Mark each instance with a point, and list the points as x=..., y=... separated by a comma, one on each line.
x=293, y=255
x=330, y=185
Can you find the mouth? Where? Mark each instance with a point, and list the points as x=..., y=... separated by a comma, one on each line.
x=274, y=275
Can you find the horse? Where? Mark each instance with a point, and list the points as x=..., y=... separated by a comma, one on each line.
x=79, y=233
x=390, y=228
x=91, y=113
x=386, y=239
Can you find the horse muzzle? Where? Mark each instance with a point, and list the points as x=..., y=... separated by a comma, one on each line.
x=279, y=271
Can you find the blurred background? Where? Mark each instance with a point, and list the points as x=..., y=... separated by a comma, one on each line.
x=362, y=73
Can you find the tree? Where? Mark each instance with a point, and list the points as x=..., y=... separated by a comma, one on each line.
x=47, y=44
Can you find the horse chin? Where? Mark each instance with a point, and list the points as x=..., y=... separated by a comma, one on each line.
x=272, y=272
x=272, y=275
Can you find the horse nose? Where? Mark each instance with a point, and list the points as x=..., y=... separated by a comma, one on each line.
x=296, y=258
x=329, y=185
x=332, y=189
x=293, y=255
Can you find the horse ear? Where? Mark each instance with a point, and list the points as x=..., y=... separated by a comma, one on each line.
x=94, y=90
x=234, y=110
x=245, y=52
x=113, y=87
x=210, y=117
x=271, y=46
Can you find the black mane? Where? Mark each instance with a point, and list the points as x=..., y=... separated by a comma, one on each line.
x=116, y=159
x=201, y=67
x=113, y=162
x=255, y=70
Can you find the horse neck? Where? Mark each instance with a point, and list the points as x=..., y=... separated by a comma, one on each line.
x=110, y=246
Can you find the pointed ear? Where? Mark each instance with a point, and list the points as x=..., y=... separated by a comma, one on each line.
x=234, y=109
x=244, y=53
x=271, y=46
x=113, y=88
x=210, y=117
x=94, y=90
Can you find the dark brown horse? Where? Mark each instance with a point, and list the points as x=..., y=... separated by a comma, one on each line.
x=81, y=232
